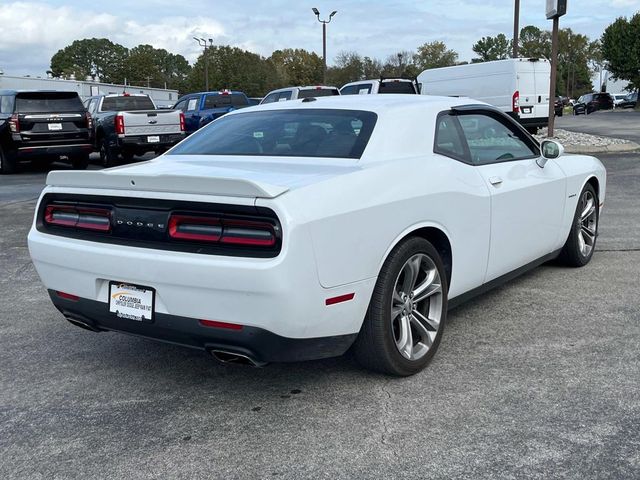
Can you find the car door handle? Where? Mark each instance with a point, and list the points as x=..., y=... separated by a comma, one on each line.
x=495, y=181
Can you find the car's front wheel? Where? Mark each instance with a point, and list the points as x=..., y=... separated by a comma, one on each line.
x=7, y=163
x=579, y=247
x=407, y=312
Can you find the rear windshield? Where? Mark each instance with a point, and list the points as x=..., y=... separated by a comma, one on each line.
x=221, y=101
x=396, y=87
x=318, y=92
x=132, y=103
x=284, y=133
x=48, y=102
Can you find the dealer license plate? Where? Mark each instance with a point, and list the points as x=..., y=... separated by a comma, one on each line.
x=55, y=126
x=131, y=302
x=153, y=139
x=527, y=109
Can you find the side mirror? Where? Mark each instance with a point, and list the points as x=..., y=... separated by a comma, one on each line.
x=550, y=149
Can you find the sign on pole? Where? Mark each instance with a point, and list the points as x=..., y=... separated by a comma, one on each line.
x=556, y=8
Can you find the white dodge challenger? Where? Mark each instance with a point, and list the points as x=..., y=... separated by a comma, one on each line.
x=298, y=230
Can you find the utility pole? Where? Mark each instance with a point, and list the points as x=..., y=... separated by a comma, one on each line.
x=555, y=9
x=554, y=74
x=516, y=28
x=324, y=41
x=203, y=43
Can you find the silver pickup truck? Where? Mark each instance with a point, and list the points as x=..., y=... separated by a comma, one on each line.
x=130, y=124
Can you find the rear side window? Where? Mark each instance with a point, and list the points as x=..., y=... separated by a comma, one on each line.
x=491, y=141
x=284, y=96
x=285, y=133
x=221, y=101
x=318, y=92
x=396, y=87
x=359, y=89
x=448, y=140
x=6, y=104
x=131, y=103
x=48, y=102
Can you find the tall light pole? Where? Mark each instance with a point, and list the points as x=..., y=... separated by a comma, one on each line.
x=203, y=43
x=324, y=40
x=516, y=28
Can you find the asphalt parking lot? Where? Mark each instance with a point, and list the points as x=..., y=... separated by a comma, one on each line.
x=536, y=379
x=619, y=123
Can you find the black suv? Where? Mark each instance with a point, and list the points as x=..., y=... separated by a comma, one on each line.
x=591, y=102
x=42, y=126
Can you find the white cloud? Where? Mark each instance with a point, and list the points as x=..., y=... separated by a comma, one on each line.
x=33, y=32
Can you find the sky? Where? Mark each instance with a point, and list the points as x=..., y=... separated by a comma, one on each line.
x=32, y=31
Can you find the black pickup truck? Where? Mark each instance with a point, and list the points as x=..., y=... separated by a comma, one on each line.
x=130, y=124
x=42, y=126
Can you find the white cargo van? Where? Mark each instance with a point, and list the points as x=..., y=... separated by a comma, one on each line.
x=518, y=86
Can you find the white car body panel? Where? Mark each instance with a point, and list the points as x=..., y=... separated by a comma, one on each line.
x=340, y=219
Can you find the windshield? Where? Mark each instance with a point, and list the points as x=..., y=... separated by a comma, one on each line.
x=224, y=100
x=318, y=92
x=285, y=133
x=48, y=102
x=129, y=103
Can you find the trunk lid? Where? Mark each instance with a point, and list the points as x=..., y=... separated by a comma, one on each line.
x=267, y=177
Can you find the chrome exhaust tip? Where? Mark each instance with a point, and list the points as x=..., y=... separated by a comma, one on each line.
x=233, y=358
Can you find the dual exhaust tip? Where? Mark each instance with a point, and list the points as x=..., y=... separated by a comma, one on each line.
x=234, y=358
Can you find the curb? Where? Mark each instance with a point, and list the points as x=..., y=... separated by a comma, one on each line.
x=614, y=148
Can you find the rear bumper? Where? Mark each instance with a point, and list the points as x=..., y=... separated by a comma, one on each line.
x=142, y=143
x=539, y=122
x=259, y=344
x=24, y=150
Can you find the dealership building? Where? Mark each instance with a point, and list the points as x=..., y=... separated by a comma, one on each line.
x=86, y=88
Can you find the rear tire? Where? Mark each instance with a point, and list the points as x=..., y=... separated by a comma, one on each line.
x=407, y=313
x=108, y=157
x=580, y=245
x=80, y=162
x=7, y=163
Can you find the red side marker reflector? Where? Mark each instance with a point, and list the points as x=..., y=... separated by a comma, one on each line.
x=68, y=296
x=214, y=324
x=339, y=299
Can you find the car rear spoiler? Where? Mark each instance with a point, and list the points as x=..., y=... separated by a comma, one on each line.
x=122, y=180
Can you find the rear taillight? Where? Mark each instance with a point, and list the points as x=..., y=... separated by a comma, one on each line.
x=14, y=124
x=88, y=120
x=515, y=102
x=222, y=230
x=182, y=129
x=83, y=218
x=119, y=125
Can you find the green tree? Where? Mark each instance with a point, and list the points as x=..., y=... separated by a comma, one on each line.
x=534, y=43
x=434, y=55
x=493, y=48
x=146, y=65
x=621, y=49
x=574, y=76
x=350, y=67
x=233, y=68
x=297, y=67
x=400, y=64
x=95, y=57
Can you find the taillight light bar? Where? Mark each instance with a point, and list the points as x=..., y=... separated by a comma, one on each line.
x=119, y=124
x=182, y=126
x=222, y=230
x=83, y=218
x=14, y=123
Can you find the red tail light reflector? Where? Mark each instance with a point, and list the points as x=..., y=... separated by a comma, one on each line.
x=221, y=230
x=516, y=102
x=14, y=124
x=244, y=232
x=216, y=324
x=339, y=299
x=119, y=124
x=203, y=229
x=182, y=128
x=96, y=219
x=68, y=296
